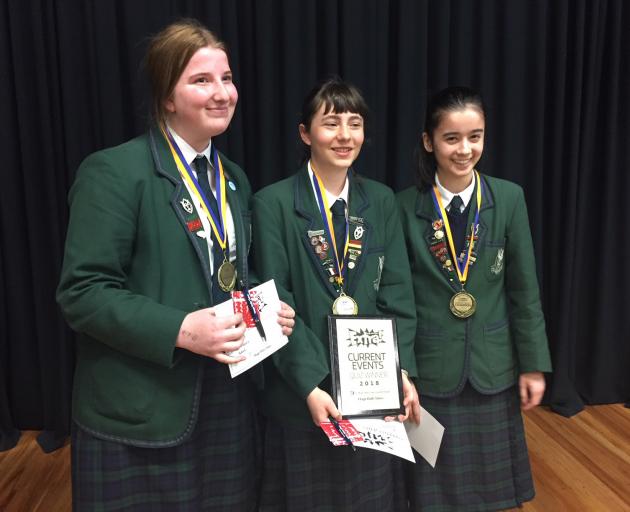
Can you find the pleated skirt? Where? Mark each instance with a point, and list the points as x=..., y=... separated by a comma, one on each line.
x=483, y=462
x=216, y=470
x=304, y=472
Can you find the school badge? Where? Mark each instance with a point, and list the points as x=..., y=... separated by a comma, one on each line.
x=186, y=205
x=497, y=266
x=377, y=281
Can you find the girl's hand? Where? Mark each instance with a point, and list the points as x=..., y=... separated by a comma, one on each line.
x=531, y=388
x=286, y=318
x=321, y=406
x=205, y=334
x=411, y=402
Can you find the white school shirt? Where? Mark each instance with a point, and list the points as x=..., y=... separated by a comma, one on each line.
x=447, y=195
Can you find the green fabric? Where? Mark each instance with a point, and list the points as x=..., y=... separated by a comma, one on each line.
x=283, y=215
x=132, y=271
x=506, y=335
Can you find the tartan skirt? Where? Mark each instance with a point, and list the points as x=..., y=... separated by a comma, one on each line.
x=216, y=469
x=483, y=462
x=304, y=472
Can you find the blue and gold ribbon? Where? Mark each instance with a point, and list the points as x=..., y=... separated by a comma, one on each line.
x=461, y=266
x=324, y=209
x=217, y=223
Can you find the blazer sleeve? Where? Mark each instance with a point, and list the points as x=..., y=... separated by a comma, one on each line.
x=303, y=362
x=101, y=238
x=395, y=294
x=527, y=323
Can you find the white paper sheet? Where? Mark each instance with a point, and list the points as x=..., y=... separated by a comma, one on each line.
x=254, y=348
x=385, y=436
x=426, y=438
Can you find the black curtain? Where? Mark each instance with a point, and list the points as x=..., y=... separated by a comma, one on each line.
x=555, y=75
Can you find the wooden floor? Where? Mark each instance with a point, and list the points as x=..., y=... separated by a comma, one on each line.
x=33, y=481
x=581, y=464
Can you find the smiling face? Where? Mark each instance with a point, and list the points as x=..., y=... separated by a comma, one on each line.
x=335, y=140
x=204, y=98
x=457, y=144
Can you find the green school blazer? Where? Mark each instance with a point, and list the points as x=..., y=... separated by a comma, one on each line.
x=287, y=222
x=133, y=268
x=506, y=335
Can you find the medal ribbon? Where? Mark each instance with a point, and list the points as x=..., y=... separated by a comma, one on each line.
x=463, y=266
x=186, y=172
x=324, y=209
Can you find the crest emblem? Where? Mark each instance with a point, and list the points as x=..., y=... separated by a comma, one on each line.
x=377, y=281
x=497, y=266
x=358, y=232
x=187, y=205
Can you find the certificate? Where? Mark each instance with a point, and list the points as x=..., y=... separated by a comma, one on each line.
x=267, y=304
x=366, y=378
x=385, y=436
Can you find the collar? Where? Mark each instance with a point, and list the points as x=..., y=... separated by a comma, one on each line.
x=331, y=197
x=447, y=195
x=189, y=152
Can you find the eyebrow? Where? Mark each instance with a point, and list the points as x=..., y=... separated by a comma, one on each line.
x=475, y=131
x=208, y=73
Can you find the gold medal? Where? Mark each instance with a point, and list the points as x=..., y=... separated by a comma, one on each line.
x=226, y=276
x=345, y=305
x=463, y=304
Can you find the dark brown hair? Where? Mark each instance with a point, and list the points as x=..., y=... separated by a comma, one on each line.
x=451, y=99
x=337, y=96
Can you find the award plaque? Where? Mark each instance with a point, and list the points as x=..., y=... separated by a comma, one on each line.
x=365, y=369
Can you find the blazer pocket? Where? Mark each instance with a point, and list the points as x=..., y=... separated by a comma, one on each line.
x=499, y=349
x=494, y=260
x=123, y=391
x=429, y=354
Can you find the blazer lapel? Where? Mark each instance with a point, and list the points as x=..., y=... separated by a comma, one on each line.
x=359, y=231
x=314, y=237
x=435, y=238
x=487, y=207
x=180, y=200
x=487, y=199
